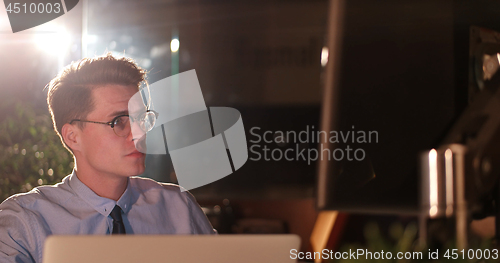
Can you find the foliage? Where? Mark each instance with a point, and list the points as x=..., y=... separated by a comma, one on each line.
x=31, y=153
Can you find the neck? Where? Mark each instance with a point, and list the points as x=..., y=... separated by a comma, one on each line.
x=104, y=185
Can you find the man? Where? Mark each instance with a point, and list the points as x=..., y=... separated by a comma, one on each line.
x=88, y=102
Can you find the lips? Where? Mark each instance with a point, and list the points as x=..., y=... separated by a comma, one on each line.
x=136, y=154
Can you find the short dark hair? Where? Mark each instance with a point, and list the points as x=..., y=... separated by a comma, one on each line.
x=70, y=93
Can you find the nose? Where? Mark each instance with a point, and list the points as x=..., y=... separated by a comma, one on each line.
x=135, y=130
x=138, y=136
x=140, y=144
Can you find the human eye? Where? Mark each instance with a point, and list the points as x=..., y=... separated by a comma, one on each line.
x=120, y=120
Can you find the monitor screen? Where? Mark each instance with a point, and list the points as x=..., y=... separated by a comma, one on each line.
x=395, y=81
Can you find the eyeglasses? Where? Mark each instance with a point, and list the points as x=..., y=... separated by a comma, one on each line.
x=121, y=124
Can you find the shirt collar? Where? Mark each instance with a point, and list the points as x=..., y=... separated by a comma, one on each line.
x=125, y=201
x=102, y=205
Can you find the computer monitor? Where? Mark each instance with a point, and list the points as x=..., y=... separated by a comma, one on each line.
x=396, y=79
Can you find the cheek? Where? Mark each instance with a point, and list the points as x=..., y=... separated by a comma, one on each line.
x=99, y=146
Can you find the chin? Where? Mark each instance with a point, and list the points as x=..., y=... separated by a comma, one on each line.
x=137, y=167
x=134, y=169
x=137, y=170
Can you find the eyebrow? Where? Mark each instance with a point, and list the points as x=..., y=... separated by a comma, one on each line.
x=118, y=113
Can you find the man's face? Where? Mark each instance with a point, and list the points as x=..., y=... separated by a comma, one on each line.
x=102, y=151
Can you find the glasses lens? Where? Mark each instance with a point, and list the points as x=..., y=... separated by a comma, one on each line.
x=122, y=126
x=147, y=121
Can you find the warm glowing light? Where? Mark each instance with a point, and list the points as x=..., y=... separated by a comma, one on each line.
x=324, y=56
x=433, y=181
x=174, y=45
x=53, y=42
x=433, y=211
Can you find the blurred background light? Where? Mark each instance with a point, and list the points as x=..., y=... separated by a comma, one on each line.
x=324, y=56
x=159, y=50
x=174, y=45
x=145, y=63
x=92, y=39
x=53, y=42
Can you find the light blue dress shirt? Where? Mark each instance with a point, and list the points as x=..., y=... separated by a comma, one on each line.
x=71, y=208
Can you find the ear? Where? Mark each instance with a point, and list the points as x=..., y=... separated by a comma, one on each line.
x=71, y=136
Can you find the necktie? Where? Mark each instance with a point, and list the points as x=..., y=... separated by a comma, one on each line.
x=118, y=226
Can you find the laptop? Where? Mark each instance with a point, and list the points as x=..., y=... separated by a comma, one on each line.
x=170, y=248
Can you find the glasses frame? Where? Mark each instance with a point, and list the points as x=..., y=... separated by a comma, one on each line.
x=112, y=122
